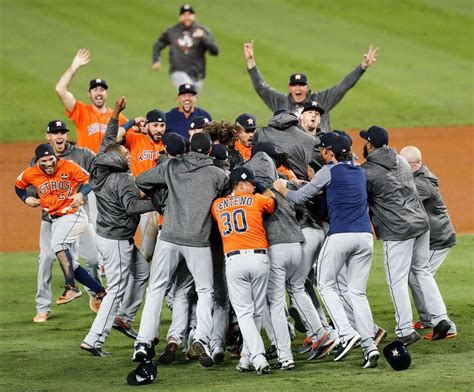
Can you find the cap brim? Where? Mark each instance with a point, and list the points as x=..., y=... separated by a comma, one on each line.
x=99, y=84
x=364, y=134
x=298, y=83
x=188, y=92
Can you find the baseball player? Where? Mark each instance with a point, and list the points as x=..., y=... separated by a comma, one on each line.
x=240, y=220
x=402, y=224
x=185, y=235
x=61, y=186
x=298, y=87
x=442, y=235
x=241, y=150
x=197, y=125
x=188, y=42
x=119, y=209
x=90, y=120
x=349, y=242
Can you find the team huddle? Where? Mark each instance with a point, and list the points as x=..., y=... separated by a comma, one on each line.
x=233, y=220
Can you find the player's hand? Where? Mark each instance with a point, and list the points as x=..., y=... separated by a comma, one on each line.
x=81, y=58
x=32, y=201
x=248, y=50
x=280, y=186
x=156, y=66
x=370, y=57
x=198, y=33
x=310, y=172
x=77, y=200
x=140, y=120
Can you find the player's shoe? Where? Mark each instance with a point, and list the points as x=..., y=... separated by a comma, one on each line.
x=169, y=353
x=322, y=347
x=380, y=336
x=285, y=365
x=419, y=326
x=307, y=343
x=202, y=350
x=125, y=328
x=271, y=352
x=440, y=331
x=409, y=339
x=346, y=347
x=70, y=294
x=96, y=351
x=450, y=335
x=218, y=355
x=140, y=354
x=41, y=317
x=243, y=366
x=263, y=369
x=370, y=360
x=96, y=300
x=299, y=325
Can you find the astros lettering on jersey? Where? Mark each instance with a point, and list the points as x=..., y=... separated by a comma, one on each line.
x=144, y=152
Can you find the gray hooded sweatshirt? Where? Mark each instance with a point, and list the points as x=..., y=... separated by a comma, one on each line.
x=193, y=183
x=117, y=195
x=394, y=205
x=442, y=233
x=281, y=226
x=283, y=131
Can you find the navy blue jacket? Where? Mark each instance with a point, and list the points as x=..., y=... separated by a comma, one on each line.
x=178, y=123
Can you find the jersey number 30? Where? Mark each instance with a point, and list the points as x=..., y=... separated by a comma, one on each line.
x=237, y=221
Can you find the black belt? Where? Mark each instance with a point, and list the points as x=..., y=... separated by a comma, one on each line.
x=238, y=252
x=54, y=217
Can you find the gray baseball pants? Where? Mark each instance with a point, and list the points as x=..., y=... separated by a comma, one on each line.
x=402, y=258
x=353, y=250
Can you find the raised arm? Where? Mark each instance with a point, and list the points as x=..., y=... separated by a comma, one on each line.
x=112, y=128
x=81, y=58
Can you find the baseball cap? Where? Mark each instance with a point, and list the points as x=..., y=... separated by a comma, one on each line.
x=155, y=115
x=344, y=134
x=377, y=136
x=201, y=142
x=187, y=88
x=145, y=373
x=186, y=8
x=98, y=82
x=55, y=126
x=242, y=174
x=174, y=143
x=44, y=150
x=298, y=78
x=266, y=147
x=397, y=355
x=247, y=121
x=335, y=142
x=198, y=122
x=312, y=105
x=219, y=151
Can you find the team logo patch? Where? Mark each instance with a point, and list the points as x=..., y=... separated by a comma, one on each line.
x=250, y=121
x=64, y=176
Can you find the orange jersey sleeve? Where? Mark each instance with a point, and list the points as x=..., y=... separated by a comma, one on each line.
x=54, y=189
x=287, y=172
x=240, y=220
x=144, y=152
x=90, y=124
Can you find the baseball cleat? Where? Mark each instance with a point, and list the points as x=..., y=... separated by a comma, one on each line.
x=218, y=355
x=70, y=294
x=410, y=339
x=41, y=317
x=346, y=347
x=96, y=301
x=450, y=335
x=380, y=336
x=125, y=328
x=307, y=343
x=96, y=351
x=243, y=366
x=285, y=365
x=263, y=369
x=370, y=360
x=299, y=325
x=419, y=326
x=323, y=347
x=271, y=352
x=141, y=352
x=202, y=350
x=440, y=331
x=169, y=353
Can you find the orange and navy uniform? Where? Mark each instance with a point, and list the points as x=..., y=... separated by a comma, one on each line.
x=144, y=151
x=246, y=152
x=55, y=188
x=90, y=124
x=240, y=220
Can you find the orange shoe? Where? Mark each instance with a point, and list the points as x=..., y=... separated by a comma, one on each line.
x=41, y=317
x=429, y=336
x=70, y=294
x=419, y=326
x=96, y=301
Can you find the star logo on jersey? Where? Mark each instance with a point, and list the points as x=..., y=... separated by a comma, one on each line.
x=59, y=123
x=64, y=176
x=250, y=121
x=395, y=352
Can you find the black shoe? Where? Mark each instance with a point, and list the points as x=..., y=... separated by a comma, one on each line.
x=296, y=317
x=96, y=351
x=125, y=328
x=410, y=339
x=271, y=352
x=370, y=360
x=440, y=331
x=264, y=369
x=201, y=349
x=143, y=352
x=346, y=347
x=169, y=353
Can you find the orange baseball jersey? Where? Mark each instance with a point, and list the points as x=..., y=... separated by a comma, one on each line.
x=55, y=188
x=246, y=152
x=143, y=150
x=240, y=220
x=90, y=124
x=287, y=172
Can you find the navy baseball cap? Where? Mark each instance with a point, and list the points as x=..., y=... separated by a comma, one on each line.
x=247, y=121
x=198, y=122
x=344, y=134
x=242, y=174
x=174, y=143
x=397, y=355
x=201, y=142
x=219, y=151
x=312, y=105
x=98, y=82
x=145, y=373
x=44, y=150
x=56, y=126
x=377, y=136
x=155, y=115
x=298, y=78
x=186, y=8
x=266, y=147
x=187, y=88
x=335, y=142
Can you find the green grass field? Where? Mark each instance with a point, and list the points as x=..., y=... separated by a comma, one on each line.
x=423, y=75
x=47, y=356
